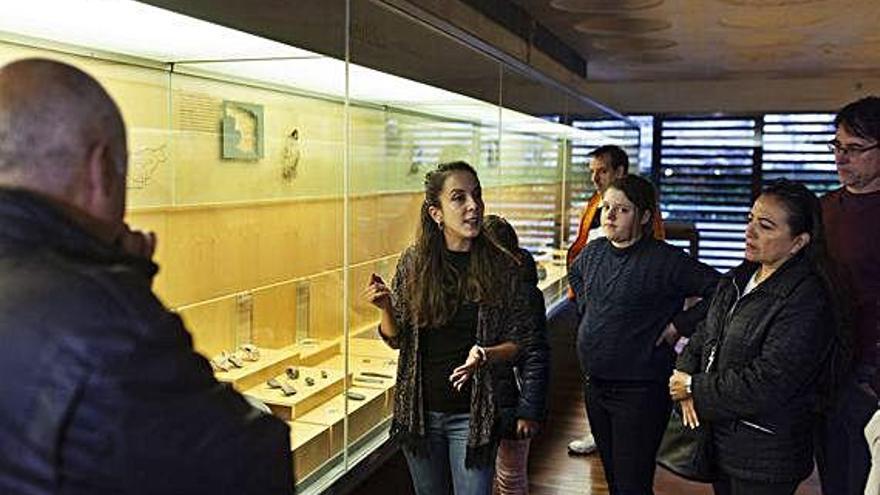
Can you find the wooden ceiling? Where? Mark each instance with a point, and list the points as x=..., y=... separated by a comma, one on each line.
x=639, y=40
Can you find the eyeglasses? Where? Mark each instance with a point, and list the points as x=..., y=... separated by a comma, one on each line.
x=838, y=148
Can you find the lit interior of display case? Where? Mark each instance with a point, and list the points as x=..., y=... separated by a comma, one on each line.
x=274, y=176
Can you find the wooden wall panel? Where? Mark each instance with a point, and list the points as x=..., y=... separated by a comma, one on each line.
x=274, y=318
x=326, y=307
x=213, y=326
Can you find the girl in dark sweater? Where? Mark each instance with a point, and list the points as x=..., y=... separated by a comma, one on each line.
x=630, y=291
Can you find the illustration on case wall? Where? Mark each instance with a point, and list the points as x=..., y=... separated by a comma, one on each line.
x=290, y=156
x=144, y=163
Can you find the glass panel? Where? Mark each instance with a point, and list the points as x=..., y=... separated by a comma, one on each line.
x=545, y=180
x=406, y=116
x=279, y=177
x=236, y=162
x=255, y=218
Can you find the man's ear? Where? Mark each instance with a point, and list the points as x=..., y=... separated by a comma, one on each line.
x=646, y=217
x=101, y=169
x=101, y=183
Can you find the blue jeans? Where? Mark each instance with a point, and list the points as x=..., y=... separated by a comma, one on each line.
x=442, y=467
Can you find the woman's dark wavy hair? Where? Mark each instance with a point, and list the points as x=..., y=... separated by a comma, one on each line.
x=804, y=214
x=642, y=195
x=501, y=233
x=437, y=286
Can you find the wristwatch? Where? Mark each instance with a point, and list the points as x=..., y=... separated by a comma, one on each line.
x=687, y=384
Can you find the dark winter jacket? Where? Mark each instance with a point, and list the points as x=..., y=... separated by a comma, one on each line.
x=759, y=395
x=100, y=390
x=523, y=387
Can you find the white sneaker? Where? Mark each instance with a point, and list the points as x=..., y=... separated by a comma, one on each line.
x=582, y=446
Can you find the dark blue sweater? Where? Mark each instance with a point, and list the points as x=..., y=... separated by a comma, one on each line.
x=626, y=297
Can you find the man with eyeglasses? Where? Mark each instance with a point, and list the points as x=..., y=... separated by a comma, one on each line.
x=852, y=221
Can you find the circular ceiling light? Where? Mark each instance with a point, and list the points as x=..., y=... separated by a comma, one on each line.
x=587, y=6
x=769, y=3
x=768, y=56
x=646, y=58
x=761, y=39
x=631, y=44
x=785, y=20
x=607, y=24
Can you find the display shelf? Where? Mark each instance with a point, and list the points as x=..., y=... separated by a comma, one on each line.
x=371, y=348
x=313, y=352
x=306, y=398
x=363, y=416
x=311, y=444
x=271, y=363
x=359, y=364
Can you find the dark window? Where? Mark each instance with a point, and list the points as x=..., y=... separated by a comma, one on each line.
x=706, y=176
x=795, y=147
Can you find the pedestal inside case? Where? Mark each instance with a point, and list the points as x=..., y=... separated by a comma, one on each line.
x=307, y=397
x=310, y=444
x=363, y=416
x=271, y=363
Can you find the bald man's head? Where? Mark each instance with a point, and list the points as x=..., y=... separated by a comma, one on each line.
x=54, y=118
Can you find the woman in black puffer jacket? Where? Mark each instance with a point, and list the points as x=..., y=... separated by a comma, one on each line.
x=522, y=388
x=751, y=372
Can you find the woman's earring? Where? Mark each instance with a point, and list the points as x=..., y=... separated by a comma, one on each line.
x=440, y=226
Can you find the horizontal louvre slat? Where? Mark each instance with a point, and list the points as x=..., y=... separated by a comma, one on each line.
x=795, y=147
x=706, y=167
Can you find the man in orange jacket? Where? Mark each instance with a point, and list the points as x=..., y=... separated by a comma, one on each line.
x=607, y=163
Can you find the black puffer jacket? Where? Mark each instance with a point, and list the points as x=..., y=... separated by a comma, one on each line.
x=100, y=390
x=527, y=395
x=760, y=392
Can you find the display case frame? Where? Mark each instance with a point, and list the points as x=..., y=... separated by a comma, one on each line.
x=270, y=246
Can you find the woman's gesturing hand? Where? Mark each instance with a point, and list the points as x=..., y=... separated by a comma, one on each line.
x=459, y=377
x=377, y=293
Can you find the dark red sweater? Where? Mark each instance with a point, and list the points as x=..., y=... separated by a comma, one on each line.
x=852, y=224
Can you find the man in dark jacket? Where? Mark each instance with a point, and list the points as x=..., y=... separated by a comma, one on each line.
x=100, y=389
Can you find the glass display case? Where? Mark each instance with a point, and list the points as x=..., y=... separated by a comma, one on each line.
x=280, y=171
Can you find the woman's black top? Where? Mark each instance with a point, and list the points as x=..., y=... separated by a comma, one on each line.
x=445, y=348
